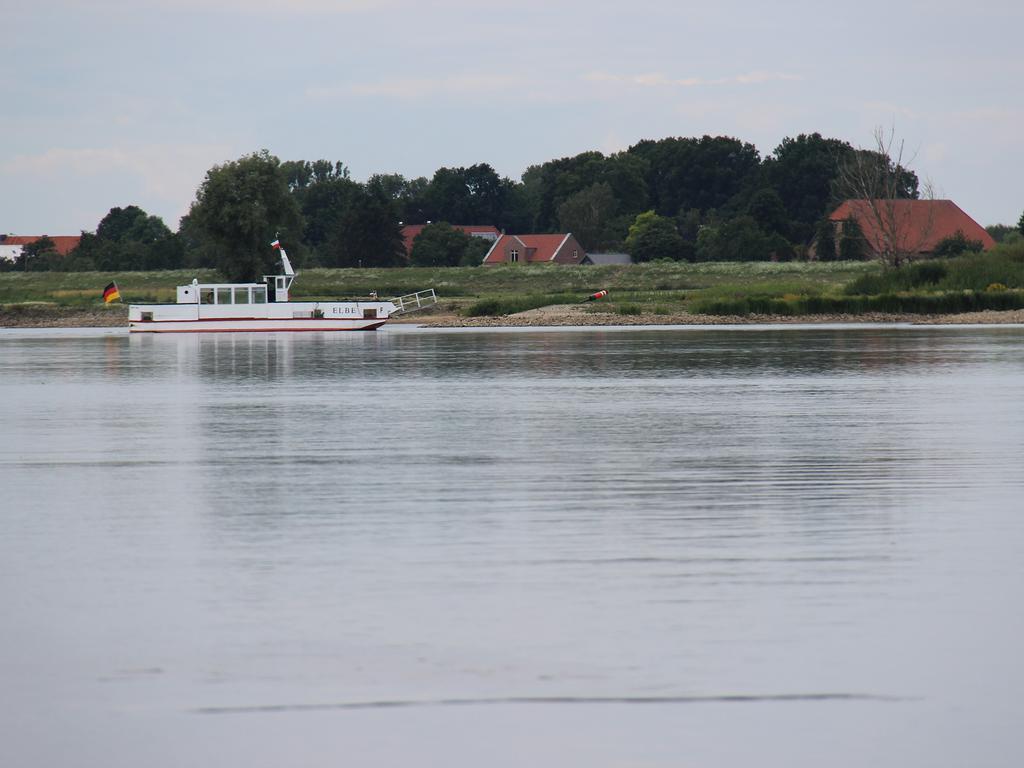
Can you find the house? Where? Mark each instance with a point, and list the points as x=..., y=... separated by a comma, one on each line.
x=483, y=231
x=603, y=259
x=914, y=227
x=11, y=245
x=558, y=249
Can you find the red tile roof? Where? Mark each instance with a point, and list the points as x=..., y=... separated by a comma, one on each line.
x=538, y=247
x=542, y=247
x=63, y=243
x=409, y=232
x=923, y=222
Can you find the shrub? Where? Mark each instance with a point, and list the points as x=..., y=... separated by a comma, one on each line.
x=956, y=244
x=927, y=272
x=485, y=307
x=494, y=307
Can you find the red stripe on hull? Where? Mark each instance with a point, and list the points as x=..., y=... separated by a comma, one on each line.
x=135, y=329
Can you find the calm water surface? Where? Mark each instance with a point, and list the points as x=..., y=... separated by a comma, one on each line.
x=728, y=547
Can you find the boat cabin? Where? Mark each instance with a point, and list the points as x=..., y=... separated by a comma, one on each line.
x=274, y=290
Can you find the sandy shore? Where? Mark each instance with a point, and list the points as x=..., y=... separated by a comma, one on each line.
x=569, y=314
x=48, y=316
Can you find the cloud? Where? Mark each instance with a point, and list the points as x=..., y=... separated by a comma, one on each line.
x=413, y=89
x=536, y=88
x=168, y=175
x=248, y=6
x=892, y=110
x=660, y=80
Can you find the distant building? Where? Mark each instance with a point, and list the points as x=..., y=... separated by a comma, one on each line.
x=557, y=249
x=12, y=245
x=483, y=231
x=920, y=225
x=602, y=259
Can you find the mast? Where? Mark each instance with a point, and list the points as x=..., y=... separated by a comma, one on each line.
x=280, y=283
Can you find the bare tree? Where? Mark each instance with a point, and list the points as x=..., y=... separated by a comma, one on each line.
x=883, y=194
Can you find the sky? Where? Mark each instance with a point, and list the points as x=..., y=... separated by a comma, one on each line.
x=108, y=103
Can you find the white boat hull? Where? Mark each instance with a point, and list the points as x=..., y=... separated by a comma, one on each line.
x=243, y=325
x=276, y=316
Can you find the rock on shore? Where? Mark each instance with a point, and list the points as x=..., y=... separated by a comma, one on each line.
x=570, y=314
x=53, y=316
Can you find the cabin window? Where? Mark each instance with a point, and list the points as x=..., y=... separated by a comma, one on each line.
x=369, y=314
x=147, y=317
x=206, y=295
x=241, y=295
x=513, y=255
x=223, y=295
x=259, y=295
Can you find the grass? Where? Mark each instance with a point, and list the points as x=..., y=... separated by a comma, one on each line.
x=949, y=302
x=662, y=288
x=85, y=289
x=969, y=283
x=975, y=272
x=983, y=281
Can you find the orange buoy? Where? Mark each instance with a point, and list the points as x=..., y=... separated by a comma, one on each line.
x=595, y=296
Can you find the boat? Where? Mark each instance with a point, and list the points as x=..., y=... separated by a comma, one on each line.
x=266, y=306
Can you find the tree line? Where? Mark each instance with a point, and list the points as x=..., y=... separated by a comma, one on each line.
x=697, y=199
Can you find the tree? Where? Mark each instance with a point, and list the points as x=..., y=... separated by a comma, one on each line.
x=1000, y=231
x=767, y=209
x=200, y=252
x=473, y=195
x=712, y=172
x=655, y=237
x=366, y=234
x=37, y=255
x=409, y=195
x=557, y=180
x=879, y=178
x=740, y=239
x=128, y=239
x=825, y=240
x=440, y=245
x=475, y=252
x=587, y=213
x=852, y=245
x=803, y=172
x=242, y=206
x=1020, y=224
x=324, y=192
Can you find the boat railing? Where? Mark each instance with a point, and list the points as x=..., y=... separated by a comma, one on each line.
x=414, y=301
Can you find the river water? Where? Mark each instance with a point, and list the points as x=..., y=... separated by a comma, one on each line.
x=588, y=547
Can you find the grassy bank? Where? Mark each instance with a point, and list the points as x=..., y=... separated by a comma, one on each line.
x=993, y=281
x=85, y=289
x=669, y=288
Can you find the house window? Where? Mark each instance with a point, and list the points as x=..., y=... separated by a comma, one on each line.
x=513, y=255
x=575, y=253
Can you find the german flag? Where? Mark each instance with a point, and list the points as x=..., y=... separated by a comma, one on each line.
x=110, y=293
